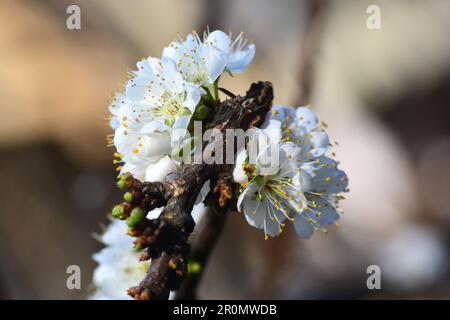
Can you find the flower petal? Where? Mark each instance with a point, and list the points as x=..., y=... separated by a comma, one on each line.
x=215, y=61
x=302, y=227
x=306, y=119
x=254, y=213
x=239, y=60
x=220, y=40
x=159, y=170
x=137, y=87
x=239, y=175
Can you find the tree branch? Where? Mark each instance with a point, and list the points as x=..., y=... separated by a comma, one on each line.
x=165, y=239
x=207, y=233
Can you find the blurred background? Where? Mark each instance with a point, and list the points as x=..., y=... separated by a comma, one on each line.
x=385, y=95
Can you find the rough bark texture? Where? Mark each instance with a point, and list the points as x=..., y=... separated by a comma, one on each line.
x=207, y=234
x=165, y=240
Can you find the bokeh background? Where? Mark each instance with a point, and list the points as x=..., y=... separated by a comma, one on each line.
x=384, y=94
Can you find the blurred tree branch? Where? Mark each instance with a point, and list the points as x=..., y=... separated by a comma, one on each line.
x=316, y=10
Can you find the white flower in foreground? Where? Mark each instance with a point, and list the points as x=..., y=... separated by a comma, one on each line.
x=303, y=189
x=159, y=87
x=151, y=118
x=199, y=63
x=266, y=199
x=158, y=102
x=239, y=53
x=141, y=150
x=119, y=267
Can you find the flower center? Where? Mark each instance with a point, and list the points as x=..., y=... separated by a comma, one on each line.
x=200, y=77
x=276, y=187
x=171, y=107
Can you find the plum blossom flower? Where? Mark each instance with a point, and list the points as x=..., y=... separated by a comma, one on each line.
x=306, y=186
x=138, y=148
x=157, y=102
x=239, y=53
x=119, y=267
x=199, y=63
x=159, y=87
x=266, y=198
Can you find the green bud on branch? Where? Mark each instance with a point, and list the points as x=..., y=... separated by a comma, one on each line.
x=118, y=211
x=128, y=197
x=194, y=267
x=136, y=216
x=202, y=112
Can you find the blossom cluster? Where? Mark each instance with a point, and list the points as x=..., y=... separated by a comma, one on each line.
x=153, y=117
x=150, y=119
x=162, y=98
x=306, y=185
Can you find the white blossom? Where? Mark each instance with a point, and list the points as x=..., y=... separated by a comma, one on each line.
x=239, y=53
x=118, y=267
x=306, y=185
x=157, y=102
x=159, y=87
x=199, y=63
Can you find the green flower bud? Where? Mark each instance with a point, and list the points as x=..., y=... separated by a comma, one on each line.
x=194, y=267
x=118, y=211
x=123, y=176
x=125, y=181
x=136, y=216
x=128, y=197
x=121, y=184
x=202, y=112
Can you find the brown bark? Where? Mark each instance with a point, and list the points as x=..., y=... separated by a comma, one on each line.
x=207, y=234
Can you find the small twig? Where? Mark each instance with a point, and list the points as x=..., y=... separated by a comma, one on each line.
x=227, y=92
